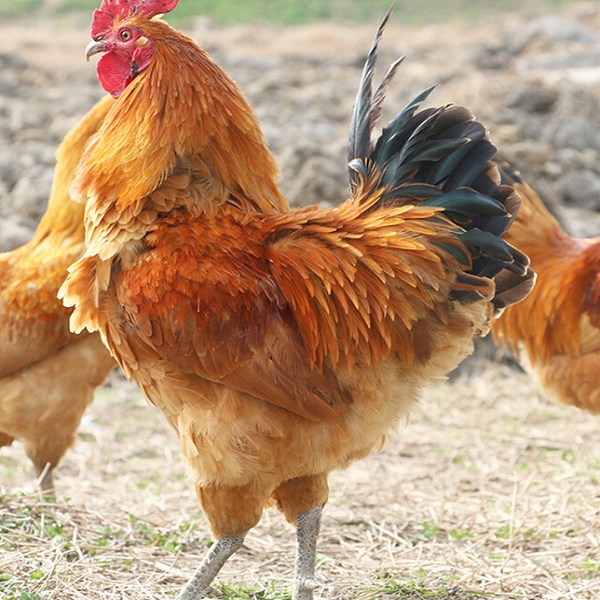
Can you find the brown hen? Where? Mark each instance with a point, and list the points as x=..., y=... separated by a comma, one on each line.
x=48, y=374
x=555, y=332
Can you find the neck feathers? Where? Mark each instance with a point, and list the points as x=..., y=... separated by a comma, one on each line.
x=64, y=216
x=182, y=113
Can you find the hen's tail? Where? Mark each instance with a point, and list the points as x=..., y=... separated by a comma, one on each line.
x=535, y=219
x=439, y=157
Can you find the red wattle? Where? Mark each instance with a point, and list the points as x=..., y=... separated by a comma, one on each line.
x=114, y=73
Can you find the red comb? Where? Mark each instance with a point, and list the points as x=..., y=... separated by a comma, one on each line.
x=105, y=16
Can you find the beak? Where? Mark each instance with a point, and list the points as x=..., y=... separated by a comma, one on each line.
x=94, y=48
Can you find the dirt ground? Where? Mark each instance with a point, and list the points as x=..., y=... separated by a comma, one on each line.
x=488, y=491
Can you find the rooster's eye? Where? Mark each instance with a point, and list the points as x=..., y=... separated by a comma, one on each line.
x=125, y=35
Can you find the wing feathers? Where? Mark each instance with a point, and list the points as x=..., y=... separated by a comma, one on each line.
x=358, y=302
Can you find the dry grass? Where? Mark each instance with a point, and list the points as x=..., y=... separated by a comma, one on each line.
x=489, y=492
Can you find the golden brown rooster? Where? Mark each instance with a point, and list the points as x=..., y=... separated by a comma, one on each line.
x=47, y=374
x=556, y=330
x=280, y=344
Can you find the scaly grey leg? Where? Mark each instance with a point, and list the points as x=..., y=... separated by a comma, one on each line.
x=199, y=584
x=306, y=551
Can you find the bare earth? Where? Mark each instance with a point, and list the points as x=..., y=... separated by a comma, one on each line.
x=488, y=491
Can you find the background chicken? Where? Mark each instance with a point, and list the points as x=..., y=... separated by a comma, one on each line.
x=556, y=330
x=279, y=344
x=47, y=374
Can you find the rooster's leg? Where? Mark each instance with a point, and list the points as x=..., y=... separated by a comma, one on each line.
x=307, y=533
x=231, y=513
x=301, y=500
x=5, y=439
x=45, y=480
x=198, y=586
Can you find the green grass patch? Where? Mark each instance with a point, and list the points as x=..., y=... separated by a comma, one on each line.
x=292, y=12
x=177, y=538
x=388, y=586
x=589, y=568
x=461, y=534
x=170, y=539
x=21, y=595
x=231, y=591
x=10, y=7
x=432, y=531
x=505, y=532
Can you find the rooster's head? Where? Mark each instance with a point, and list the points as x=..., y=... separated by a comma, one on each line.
x=127, y=52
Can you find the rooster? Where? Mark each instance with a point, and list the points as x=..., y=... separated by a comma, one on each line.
x=556, y=330
x=280, y=344
x=47, y=374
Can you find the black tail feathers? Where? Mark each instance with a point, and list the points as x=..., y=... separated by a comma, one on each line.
x=440, y=157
